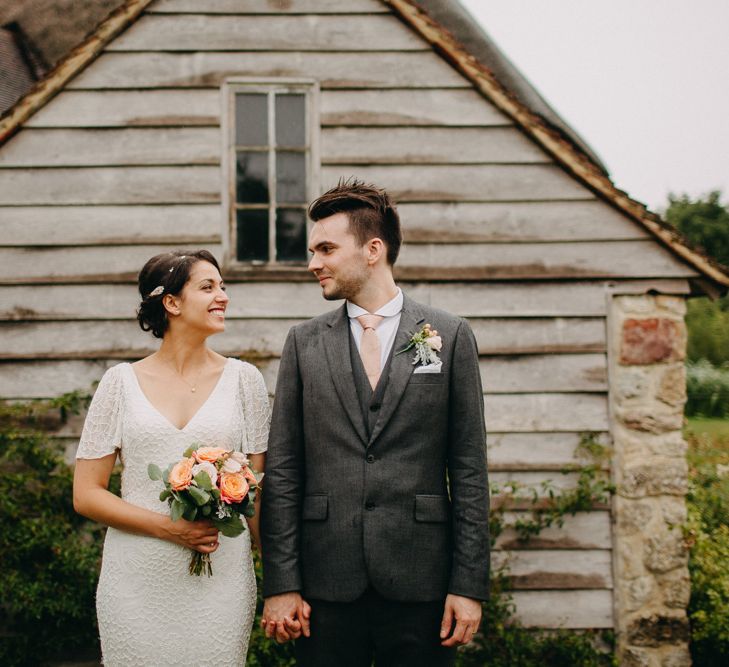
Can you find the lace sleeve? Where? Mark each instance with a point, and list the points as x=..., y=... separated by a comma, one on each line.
x=101, y=434
x=256, y=410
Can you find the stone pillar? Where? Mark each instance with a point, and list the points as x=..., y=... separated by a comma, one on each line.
x=647, y=348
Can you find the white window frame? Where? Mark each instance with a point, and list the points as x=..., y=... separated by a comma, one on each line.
x=229, y=89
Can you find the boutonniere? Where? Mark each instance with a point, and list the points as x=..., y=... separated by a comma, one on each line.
x=427, y=344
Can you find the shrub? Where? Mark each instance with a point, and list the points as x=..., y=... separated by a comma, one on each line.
x=707, y=389
x=708, y=533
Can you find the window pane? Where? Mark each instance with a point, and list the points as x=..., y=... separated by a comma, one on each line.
x=252, y=235
x=252, y=178
x=251, y=120
x=290, y=120
x=290, y=234
x=290, y=177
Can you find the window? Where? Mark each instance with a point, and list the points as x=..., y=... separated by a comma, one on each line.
x=270, y=166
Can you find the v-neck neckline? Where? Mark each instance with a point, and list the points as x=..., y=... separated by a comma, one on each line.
x=197, y=412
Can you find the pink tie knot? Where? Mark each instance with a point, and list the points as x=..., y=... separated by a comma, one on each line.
x=370, y=321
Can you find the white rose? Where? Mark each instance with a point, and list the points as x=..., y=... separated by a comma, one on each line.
x=240, y=457
x=207, y=467
x=231, y=465
x=434, y=342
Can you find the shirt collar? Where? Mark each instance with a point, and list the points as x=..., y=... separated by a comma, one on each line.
x=391, y=308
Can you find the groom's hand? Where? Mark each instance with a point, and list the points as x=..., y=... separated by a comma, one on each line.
x=462, y=615
x=286, y=617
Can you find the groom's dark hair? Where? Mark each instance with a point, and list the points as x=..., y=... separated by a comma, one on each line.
x=370, y=210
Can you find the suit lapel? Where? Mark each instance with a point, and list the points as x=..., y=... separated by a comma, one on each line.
x=336, y=346
x=401, y=366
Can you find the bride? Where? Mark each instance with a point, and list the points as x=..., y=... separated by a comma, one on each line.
x=151, y=611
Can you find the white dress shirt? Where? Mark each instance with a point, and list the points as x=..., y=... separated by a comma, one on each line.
x=387, y=328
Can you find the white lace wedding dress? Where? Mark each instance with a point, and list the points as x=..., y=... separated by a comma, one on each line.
x=151, y=612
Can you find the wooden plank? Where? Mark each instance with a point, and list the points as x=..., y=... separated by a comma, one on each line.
x=520, y=413
x=79, y=261
x=408, y=108
x=589, y=259
x=404, y=69
x=463, y=182
x=534, y=480
x=128, y=108
x=584, y=530
x=551, y=570
x=122, y=339
x=419, y=145
x=113, y=147
x=565, y=609
x=207, y=32
x=516, y=222
x=303, y=300
x=536, y=451
x=110, y=185
x=113, y=225
x=268, y=7
x=544, y=373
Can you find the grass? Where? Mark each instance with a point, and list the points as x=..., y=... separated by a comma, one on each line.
x=713, y=429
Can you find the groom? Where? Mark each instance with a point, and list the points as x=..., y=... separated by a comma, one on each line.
x=374, y=517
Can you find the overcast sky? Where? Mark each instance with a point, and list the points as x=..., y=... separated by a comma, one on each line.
x=644, y=82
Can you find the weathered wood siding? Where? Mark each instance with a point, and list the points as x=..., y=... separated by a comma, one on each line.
x=125, y=163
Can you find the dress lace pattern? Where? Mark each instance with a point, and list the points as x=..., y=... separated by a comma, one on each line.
x=151, y=612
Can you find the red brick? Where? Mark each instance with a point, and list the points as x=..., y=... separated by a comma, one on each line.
x=652, y=340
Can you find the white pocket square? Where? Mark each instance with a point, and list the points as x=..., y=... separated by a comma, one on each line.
x=428, y=368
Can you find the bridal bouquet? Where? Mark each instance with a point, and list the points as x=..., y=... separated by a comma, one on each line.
x=209, y=483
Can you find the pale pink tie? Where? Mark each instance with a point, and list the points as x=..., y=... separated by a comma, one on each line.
x=370, y=349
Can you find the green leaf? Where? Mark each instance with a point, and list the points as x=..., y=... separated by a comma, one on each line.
x=188, y=452
x=165, y=495
x=190, y=513
x=230, y=527
x=176, y=509
x=202, y=479
x=249, y=511
x=206, y=510
x=199, y=496
x=154, y=472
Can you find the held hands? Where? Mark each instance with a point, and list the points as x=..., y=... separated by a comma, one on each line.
x=199, y=536
x=286, y=617
x=463, y=616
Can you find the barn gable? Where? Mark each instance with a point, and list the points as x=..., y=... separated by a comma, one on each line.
x=509, y=220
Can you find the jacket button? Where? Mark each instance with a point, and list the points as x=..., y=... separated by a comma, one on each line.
x=369, y=505
x=370, y=458
x=374, y=407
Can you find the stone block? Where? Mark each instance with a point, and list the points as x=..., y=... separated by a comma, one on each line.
x=676, y=589
x=676, y=656
x=633, y=517
x=670, y=444
x=655, y=479
x=631, y=383
x=636, y=304
x=658, y=629
x=673, y=304
x=674, y=511
x=649, y=420
x=652, y=340
x=665, y=552
x=638, y=591
x=637, y=657
x=672, y=387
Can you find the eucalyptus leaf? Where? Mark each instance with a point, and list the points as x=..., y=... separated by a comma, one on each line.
x=188, y=452
x=154, y=472
x=199, y=496
x=190, y=513
x=206, y=510
x=165, y=495
x=231, y=527
x=202, y=479
x=249, y=511
x=176, y=509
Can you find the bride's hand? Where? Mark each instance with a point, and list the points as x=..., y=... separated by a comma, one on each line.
x=200, y=536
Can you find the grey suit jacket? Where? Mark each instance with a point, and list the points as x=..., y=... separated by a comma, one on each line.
x=404, y=510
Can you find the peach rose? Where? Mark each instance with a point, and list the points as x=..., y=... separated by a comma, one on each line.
x=181, y=474
x=231, y=465
x=249, y=475
x=233, y=487
x=210, y=454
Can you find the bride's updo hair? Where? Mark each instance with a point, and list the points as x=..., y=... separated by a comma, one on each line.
x=165, y=274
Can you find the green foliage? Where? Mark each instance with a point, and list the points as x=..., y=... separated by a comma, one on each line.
x=707, y=322
x=707, y=389
x=704, y=222
x=50, y=555
x=708, y=534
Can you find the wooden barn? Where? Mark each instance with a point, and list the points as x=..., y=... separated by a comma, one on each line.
x=212, y=123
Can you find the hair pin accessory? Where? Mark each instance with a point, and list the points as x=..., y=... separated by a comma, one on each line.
x=157, y=291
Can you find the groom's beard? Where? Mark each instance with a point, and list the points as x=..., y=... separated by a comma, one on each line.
x=345, y=288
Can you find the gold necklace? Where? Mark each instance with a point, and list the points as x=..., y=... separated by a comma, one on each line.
x=193, y=387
